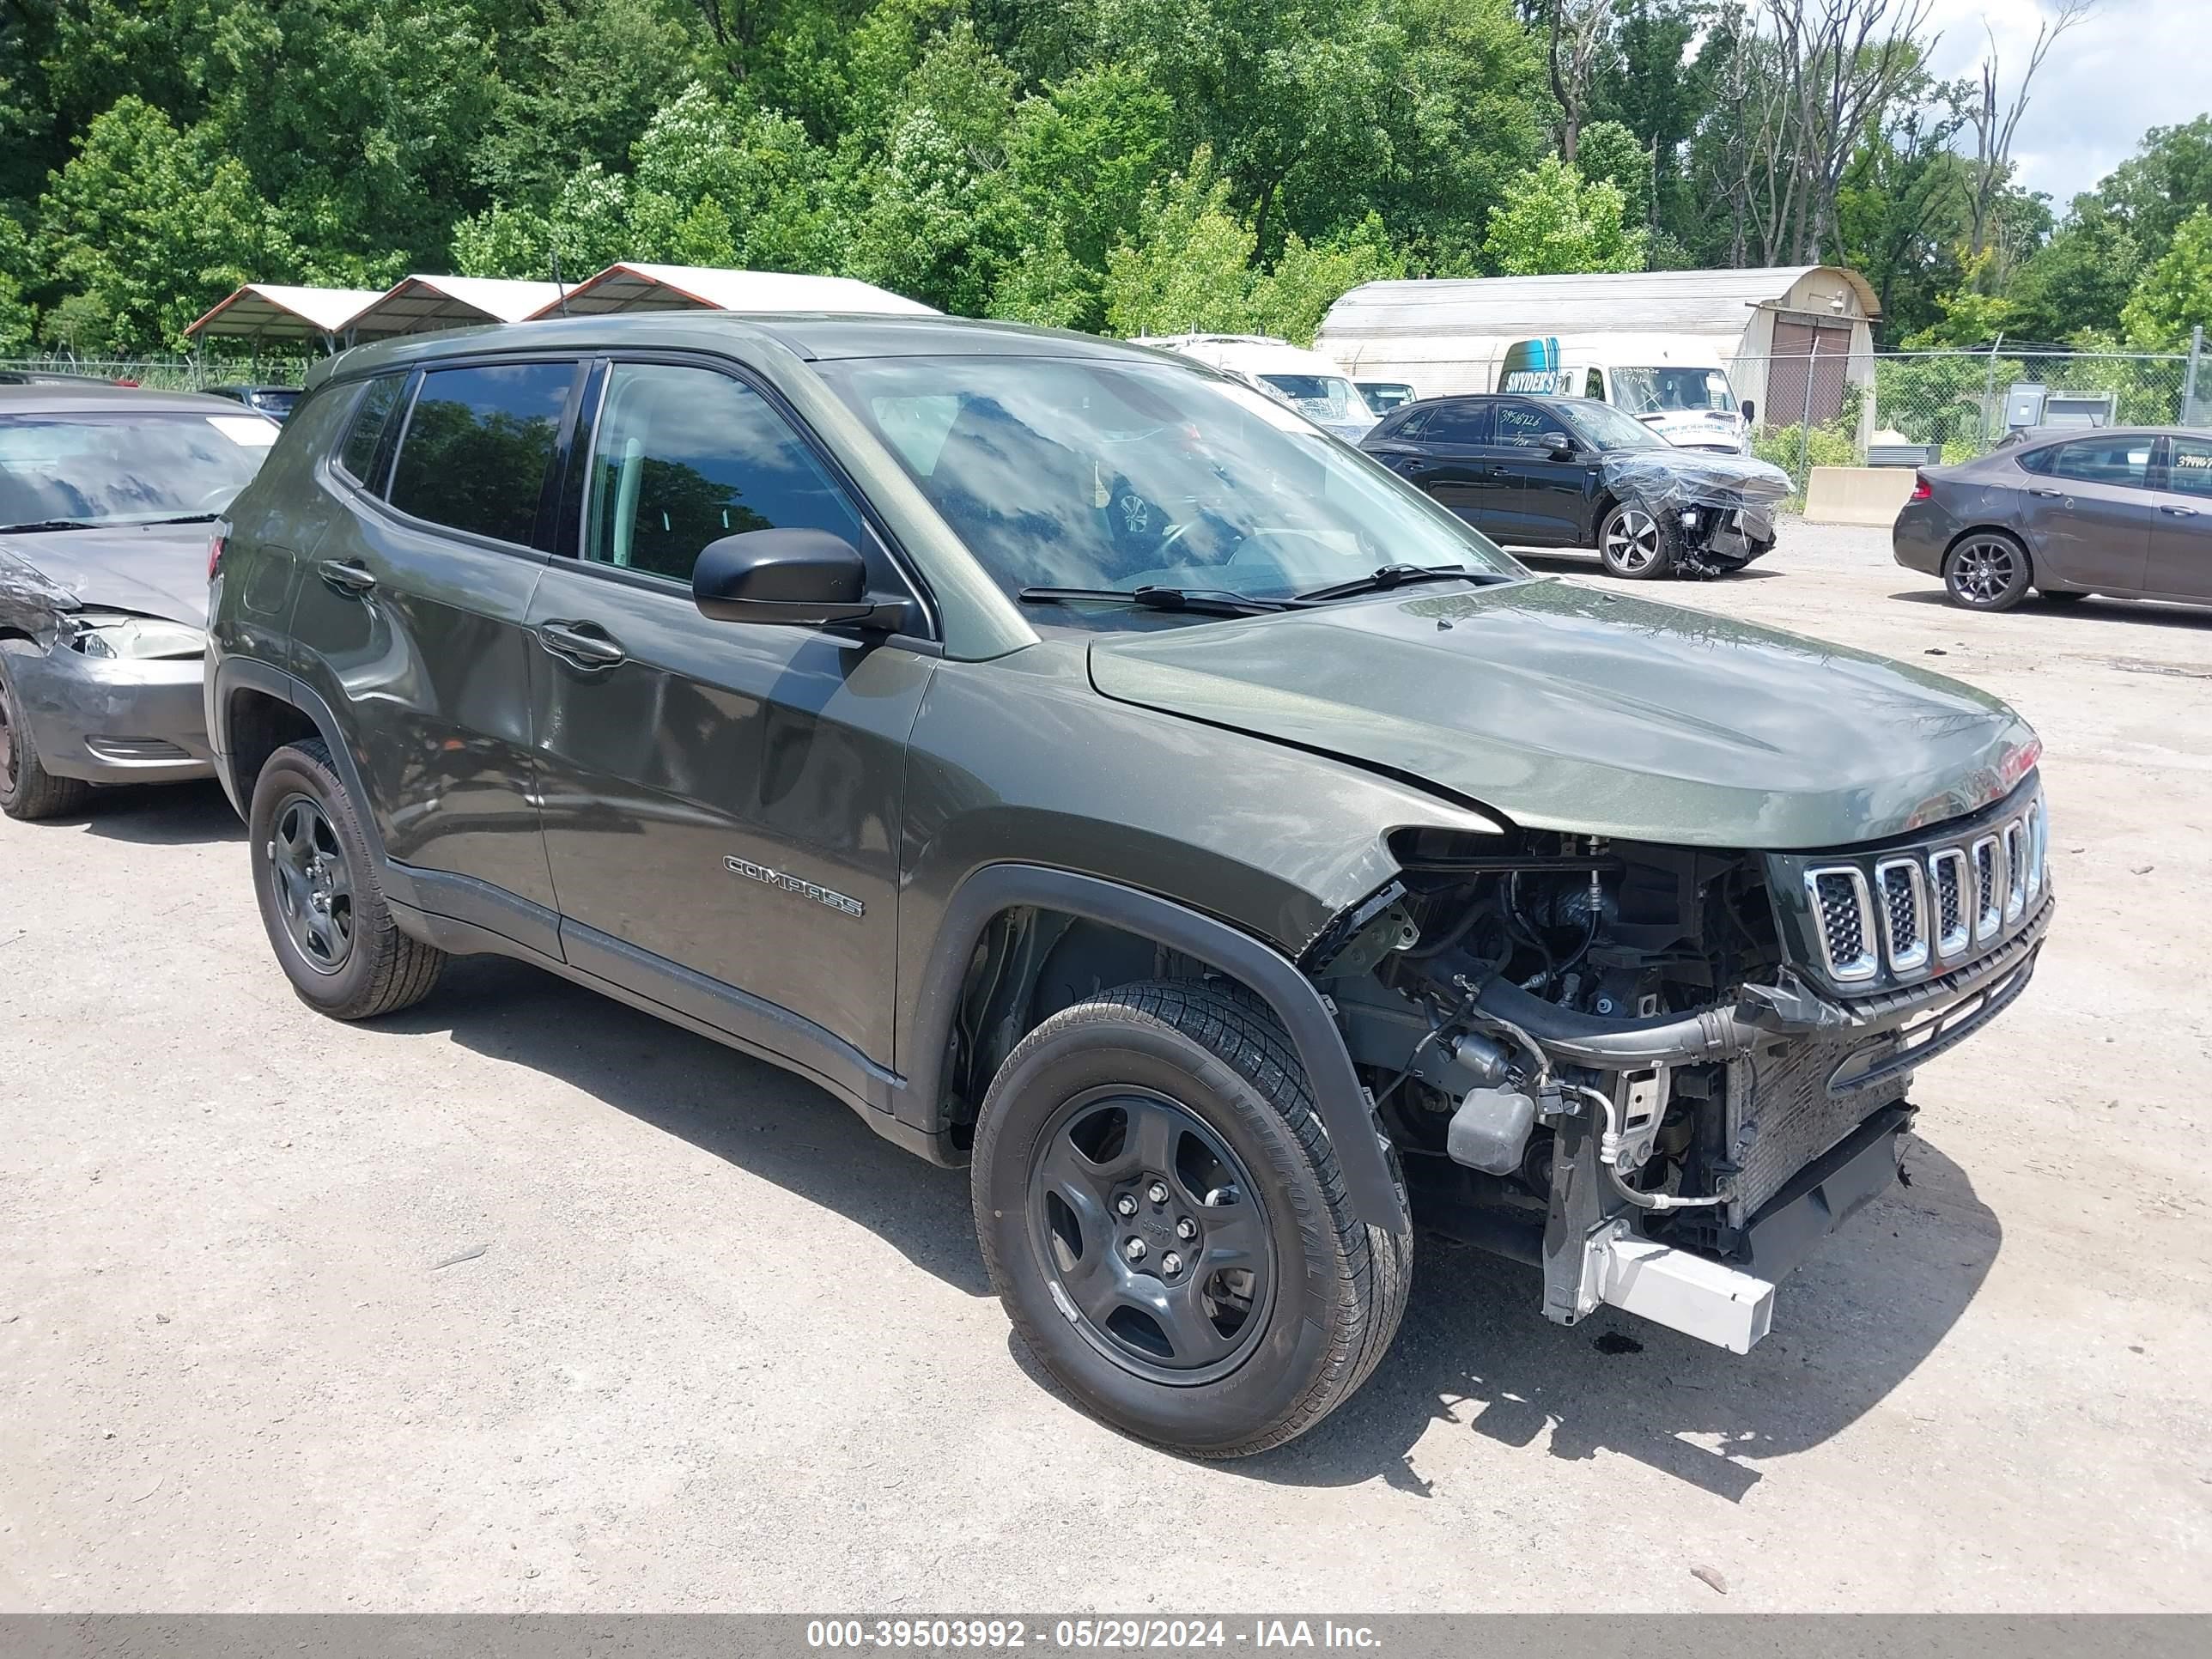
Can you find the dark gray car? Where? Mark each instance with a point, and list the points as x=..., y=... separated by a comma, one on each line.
x=2123, y=511
x=108, y=499
x=1090, y=772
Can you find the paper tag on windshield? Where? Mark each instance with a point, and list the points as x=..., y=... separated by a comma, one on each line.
x=247, y=431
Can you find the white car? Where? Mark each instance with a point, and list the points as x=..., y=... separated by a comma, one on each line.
x=1306, y=381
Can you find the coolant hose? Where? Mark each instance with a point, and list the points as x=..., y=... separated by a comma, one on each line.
x=1613, y=1044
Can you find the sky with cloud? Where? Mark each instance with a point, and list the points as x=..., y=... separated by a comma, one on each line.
x=2128, y=65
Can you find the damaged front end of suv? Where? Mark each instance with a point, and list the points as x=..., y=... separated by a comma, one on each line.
x=1663, y=1074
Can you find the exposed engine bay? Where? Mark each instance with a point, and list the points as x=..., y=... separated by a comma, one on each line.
x=1599, y=1057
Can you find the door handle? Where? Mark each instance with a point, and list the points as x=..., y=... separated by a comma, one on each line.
x=2048, y=495
x=346, y=577
x=569, y=642
x=2178, y=512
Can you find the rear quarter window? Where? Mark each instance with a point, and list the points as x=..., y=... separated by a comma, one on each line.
x=372, y=415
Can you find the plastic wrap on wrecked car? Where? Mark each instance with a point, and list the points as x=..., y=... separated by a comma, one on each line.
x=1677, y=479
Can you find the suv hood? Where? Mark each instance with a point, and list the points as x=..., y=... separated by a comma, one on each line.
x=1566, y=708
x=151, y=570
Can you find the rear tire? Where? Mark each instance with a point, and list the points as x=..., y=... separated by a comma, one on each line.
x=1637, y=542
x=321, y=900
x=28, y=790
x=1988, y=570
x=1189, y=1090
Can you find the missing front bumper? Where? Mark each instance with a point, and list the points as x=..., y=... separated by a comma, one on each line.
x=1731, y=1303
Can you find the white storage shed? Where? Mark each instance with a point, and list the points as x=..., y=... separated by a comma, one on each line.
x=1790, y=337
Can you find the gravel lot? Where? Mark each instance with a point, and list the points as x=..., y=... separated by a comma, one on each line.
x=524, y=1301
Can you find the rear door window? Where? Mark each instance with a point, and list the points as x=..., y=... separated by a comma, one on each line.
x=1458, y=423
x=2122, y=461
x=478, y=445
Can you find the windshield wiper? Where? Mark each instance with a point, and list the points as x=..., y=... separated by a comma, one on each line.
x=1203, y=601
x=187, y=518
x=1397, y=575
x=46, y=523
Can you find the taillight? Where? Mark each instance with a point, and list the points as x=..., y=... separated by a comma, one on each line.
x=215, y=553
x=1922, y=491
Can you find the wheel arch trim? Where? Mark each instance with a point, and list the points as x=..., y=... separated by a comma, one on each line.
x=1338, y=1096
x=235, y=674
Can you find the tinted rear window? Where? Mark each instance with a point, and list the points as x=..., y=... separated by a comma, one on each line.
x=1458, y=423
x=370, y=417
x=477, y=445
x=2124, y=461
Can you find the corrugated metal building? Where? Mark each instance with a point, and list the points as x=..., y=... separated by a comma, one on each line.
x=1790, y=336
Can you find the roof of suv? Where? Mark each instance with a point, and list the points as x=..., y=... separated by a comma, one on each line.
x=809, y=334
x=92, y=397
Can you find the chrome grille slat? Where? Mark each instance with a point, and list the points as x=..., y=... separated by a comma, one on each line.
x=2016, y=864
x=1989, y=887
x=1845, y=914
x=1903, y=892
x=1919, y=906
x=1953, y=921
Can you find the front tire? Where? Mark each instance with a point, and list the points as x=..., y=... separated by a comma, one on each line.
x=28, y=790
x=1987, y=571
x=1635, y=543
x=1164, y=1221
x=321, y=900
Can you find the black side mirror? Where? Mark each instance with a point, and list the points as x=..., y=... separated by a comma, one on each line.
x=800, y=578
x=1562, y=446
x=1750, y=412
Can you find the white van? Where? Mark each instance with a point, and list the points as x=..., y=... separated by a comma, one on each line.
x=1683, y=395
x=1306, y=381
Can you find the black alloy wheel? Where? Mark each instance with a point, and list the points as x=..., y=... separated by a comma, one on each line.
x=1988, y=571
x=316, y=880
x=1155, y=1242
x=314, y=888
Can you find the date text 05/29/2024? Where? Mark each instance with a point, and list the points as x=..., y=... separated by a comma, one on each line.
x=1048, y=1635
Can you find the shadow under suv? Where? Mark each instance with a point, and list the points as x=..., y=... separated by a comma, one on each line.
x=1090, y=772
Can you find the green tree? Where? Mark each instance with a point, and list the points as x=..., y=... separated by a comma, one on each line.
x=761, y=173
x=1553, y=221
x=1189, y=266
x=1461, y=115
x=1662, y=91
x=1310, y=277
x=1608, y=150
x=16, y=316
x=2175, y=295
x=154, y=226
x=2078, y=281
x=2167, y=179
x=579, y=83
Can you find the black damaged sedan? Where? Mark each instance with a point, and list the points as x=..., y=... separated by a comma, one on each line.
x=108, y=499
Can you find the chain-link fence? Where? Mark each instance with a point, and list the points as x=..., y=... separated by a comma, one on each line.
x=1906, y=407
x=163, y=373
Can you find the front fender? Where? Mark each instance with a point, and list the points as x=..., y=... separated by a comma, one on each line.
x=1361, y=1152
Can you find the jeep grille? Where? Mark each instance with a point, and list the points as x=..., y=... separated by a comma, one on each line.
x=1907, y=912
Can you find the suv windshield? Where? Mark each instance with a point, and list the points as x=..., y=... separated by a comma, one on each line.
x=1656, y=391
x=1318, y=397
x=125, y=469
x=1609, y=430
x=1074, y=472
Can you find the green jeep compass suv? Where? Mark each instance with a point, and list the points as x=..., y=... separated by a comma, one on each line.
x=1094, y=774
